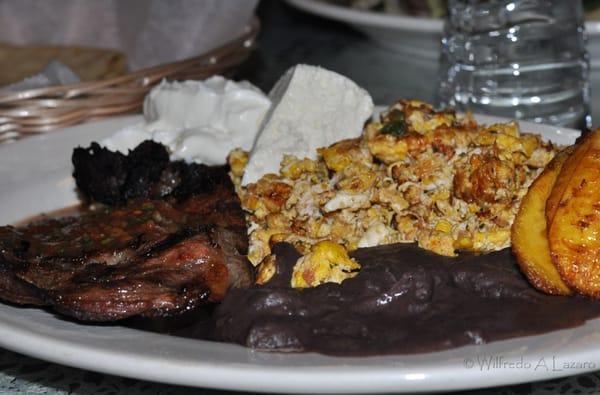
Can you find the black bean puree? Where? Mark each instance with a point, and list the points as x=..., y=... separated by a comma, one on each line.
x=404, y=300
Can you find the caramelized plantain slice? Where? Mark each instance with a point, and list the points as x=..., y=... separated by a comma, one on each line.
x=566, y=174
x=529, y=232
x=574, y=231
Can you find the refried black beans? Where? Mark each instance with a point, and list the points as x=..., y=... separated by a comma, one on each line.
x=405, y=300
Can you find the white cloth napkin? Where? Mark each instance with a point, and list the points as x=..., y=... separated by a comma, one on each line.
x=55, y=73
x=149, y=32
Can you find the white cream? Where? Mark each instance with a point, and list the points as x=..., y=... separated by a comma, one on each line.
x=312, y=107
x=127, y=138
x=198, y=121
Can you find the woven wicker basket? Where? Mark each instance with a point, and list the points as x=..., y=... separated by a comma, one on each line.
x=40, y=110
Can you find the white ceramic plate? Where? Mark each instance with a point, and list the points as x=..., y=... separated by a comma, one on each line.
x=414, y=36
x=35, y=175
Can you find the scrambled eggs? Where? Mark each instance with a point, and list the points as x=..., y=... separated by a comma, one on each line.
x=416, y=175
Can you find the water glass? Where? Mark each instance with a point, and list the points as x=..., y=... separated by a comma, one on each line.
x=523, y=59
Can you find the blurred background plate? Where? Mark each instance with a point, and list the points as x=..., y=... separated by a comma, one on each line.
x=411, y=35
x=416, y=36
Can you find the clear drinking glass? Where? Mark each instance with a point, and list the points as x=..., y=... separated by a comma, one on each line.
x=523, y=59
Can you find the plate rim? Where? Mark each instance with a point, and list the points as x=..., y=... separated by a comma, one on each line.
x=396, y=21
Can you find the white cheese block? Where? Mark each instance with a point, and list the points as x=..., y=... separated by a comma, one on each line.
x=311, y=108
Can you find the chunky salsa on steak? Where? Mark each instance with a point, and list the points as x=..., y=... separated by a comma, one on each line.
x=159, y=238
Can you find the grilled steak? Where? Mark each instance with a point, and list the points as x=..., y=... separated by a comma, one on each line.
x=161, y=242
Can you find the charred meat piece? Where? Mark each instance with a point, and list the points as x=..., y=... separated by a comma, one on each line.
x=156, y=252
x=112, y=178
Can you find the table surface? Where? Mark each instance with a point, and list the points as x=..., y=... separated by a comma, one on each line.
x=288, y=37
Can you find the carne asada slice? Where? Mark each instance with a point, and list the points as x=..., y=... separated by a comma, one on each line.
x=155, y=253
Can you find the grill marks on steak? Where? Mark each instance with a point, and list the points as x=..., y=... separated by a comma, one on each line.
x=164, y=247
x=181, y=277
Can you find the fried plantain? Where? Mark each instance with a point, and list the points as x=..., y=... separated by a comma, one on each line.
x=529, y=233
x=566, y=174
x=574, y=229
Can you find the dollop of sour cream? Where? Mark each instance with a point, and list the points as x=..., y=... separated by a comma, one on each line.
x=198, y=121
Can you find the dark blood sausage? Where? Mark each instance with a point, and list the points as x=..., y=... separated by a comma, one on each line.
x=167, y=238
x=114, y=179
